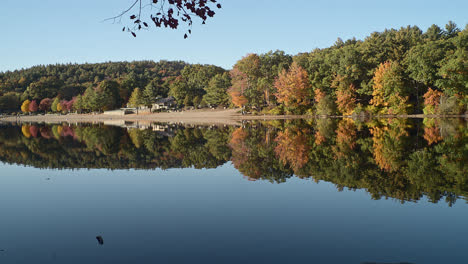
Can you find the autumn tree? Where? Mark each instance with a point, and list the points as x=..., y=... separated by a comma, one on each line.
x=238, y=88
x=45, y=104
x=25, y=106
x=293, y=87
x=33, y=106
x=389, y=94
x=345, y=95
x=60, y=107
x=432, y=101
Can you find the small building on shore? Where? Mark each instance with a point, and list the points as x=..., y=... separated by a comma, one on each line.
x=164, y=103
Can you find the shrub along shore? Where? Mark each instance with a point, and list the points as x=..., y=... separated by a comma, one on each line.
x=395, y=72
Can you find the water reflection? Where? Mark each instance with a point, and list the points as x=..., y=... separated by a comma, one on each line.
x=397, y=158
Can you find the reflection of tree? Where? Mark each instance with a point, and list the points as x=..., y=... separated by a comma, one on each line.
x=105, y=139
x=25, y=131
x=191, y=145
x=254, y=156
x=325, y=129
x=345, y=138
x=293, y=147
x=389, y=144
x=387, y=160
x=432, y=134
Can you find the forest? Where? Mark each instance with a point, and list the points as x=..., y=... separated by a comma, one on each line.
x=404, y=71
x=402, y=159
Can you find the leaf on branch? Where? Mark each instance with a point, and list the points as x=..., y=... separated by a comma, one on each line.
x=171, y=13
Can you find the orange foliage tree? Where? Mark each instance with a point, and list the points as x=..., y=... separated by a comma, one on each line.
x=293, y=86
x=238, y=88
x=345, y=95
x=431, y=101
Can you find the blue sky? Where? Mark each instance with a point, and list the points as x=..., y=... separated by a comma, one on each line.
x=57, y=31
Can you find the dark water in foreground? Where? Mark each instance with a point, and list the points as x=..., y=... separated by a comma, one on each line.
x=325, y=191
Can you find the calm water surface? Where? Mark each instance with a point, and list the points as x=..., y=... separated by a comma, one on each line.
x=323, y=191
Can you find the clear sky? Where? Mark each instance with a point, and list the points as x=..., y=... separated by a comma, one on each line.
x=57, y=31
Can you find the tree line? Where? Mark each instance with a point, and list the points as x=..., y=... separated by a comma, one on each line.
x=404, y=71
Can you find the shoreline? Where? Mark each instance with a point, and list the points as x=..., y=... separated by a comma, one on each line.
x=199, y=116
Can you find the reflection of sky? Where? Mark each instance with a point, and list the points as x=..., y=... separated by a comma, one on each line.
x=188, y=215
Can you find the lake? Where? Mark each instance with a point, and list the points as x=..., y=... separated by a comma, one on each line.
x=294, y=191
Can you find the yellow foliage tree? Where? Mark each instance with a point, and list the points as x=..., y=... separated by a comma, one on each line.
x=389, y=93
x=59, y=107
x=25, y=106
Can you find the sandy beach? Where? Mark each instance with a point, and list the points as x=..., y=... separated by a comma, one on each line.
x=201, y=116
